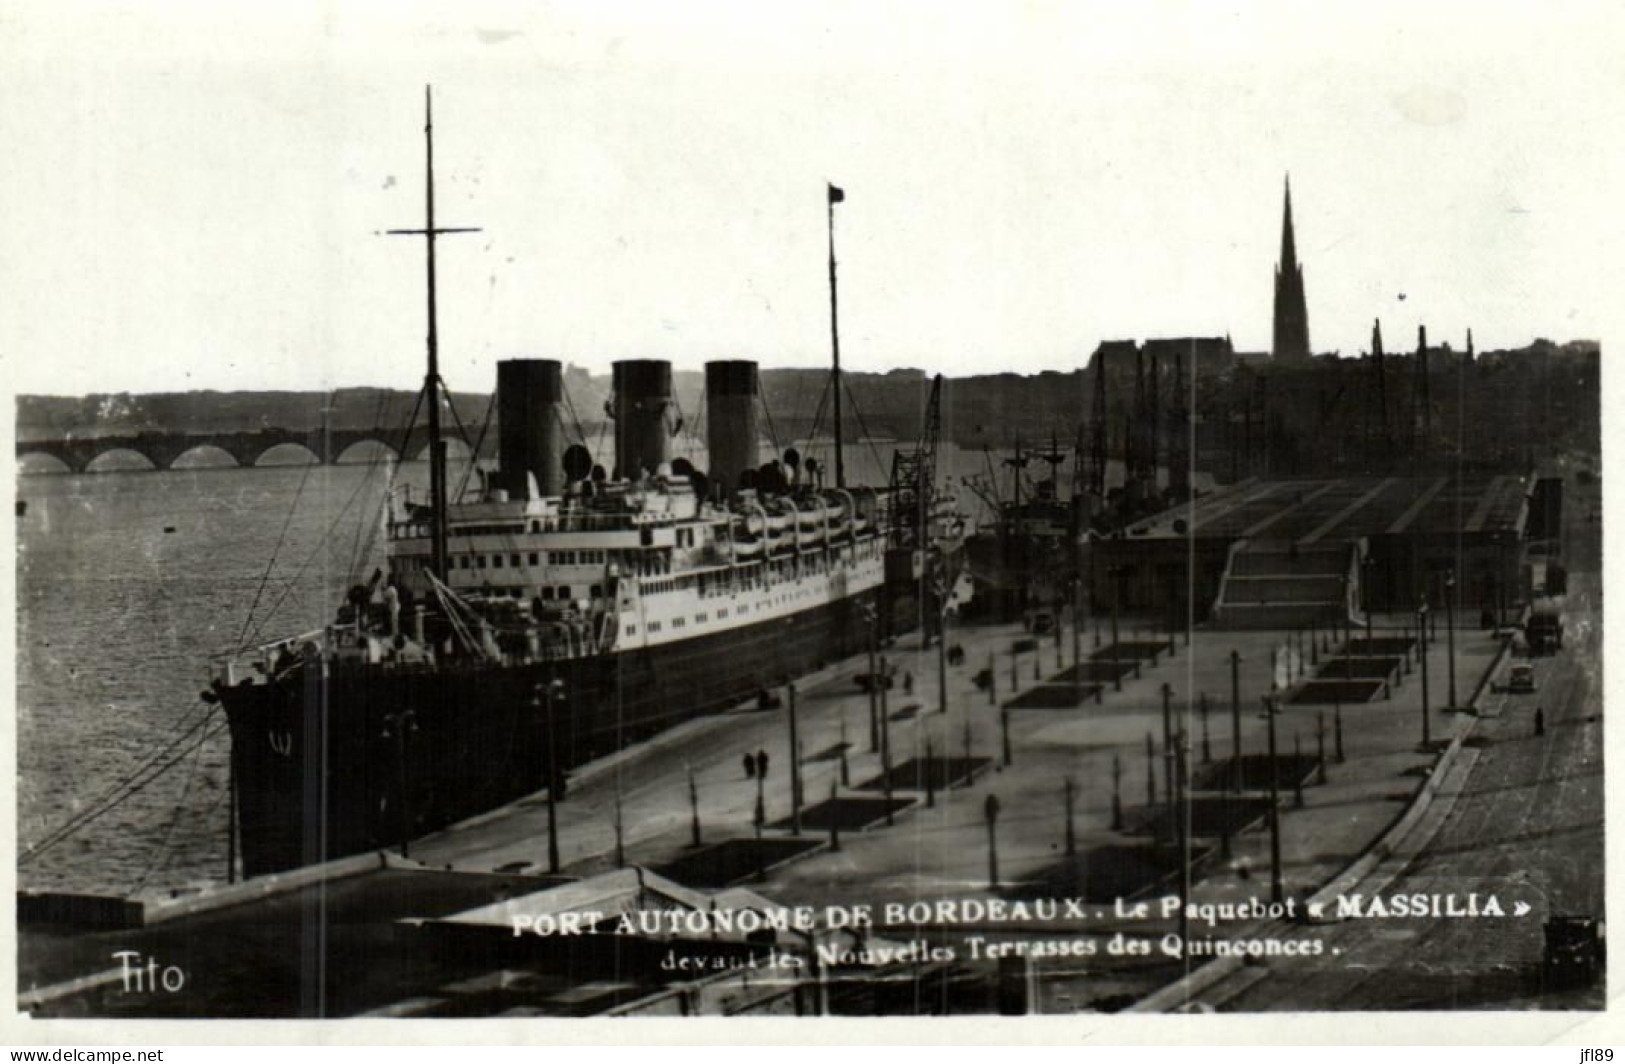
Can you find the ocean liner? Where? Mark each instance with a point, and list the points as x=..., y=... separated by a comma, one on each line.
x=563, y=613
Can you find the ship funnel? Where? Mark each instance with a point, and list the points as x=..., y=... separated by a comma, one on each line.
x=730, y=433
x=642, y=433
x=530, y=398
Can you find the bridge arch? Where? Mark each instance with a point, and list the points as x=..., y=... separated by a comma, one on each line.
x=119, y=460
x=456, y=450
x=285, y=452
x=365, y=451
x=204, y=456
x=43, y=460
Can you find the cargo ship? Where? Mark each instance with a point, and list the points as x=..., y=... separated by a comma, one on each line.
x=1026, y=556
x=563, y=613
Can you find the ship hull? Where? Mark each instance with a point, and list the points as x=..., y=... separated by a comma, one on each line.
x=1014, y=573
x=338, y=759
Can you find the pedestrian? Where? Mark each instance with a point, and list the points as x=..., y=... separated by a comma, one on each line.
x=908, y=683
x=750, y=766
x=761, y=763
x=392, y=602
x=1540, y=721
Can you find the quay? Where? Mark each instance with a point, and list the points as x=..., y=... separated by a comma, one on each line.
x=1077, y=768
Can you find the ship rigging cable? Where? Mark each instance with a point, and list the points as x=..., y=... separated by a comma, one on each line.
x=293, y=581
x=474, y=461
x=165, y=849
x=400, y=449
x=364, y=547
x=358, y=550
x=136, y=782
x=281, y=538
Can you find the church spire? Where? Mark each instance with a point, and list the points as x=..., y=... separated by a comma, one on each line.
x=1291, y=310
x=1289, y=245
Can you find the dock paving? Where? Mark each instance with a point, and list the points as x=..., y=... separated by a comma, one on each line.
x=940, y=849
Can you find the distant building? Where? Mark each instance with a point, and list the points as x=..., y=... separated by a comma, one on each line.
x=1210, y=355
x=1291, y=345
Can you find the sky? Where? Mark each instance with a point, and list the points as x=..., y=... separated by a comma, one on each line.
x=195, y=194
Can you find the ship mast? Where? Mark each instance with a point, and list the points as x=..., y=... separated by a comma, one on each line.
x=835, y=196
x=432, y=384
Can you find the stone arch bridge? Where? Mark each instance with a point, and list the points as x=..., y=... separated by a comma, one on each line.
x=162, y=449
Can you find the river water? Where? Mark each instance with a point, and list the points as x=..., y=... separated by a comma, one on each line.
x=128, y=582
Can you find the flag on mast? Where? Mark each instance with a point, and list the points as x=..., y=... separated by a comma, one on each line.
x=836, y=195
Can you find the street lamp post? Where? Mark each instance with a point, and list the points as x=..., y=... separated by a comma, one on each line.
x=1450, y=629
x=396, y=727
x=1116, y=573
x=1071, y=835
x=1421, y=626
x=1168, y=739
x=1343, y=611
x=1168, y=786
x=555, y=702
x=991, y=811
x=1117, y=793
x=1077, y=628
x=874, y=679
x=1277, y=893
x=795, y=765
x=1235, y=721
x=1367, y=564
x=693, y=808
x=885, y=742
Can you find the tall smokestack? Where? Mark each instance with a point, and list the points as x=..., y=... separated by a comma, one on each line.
x=642, y=396
x=530, y=398
x=730, y=434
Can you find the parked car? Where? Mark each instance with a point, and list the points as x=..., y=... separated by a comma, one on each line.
x=1522, y=677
